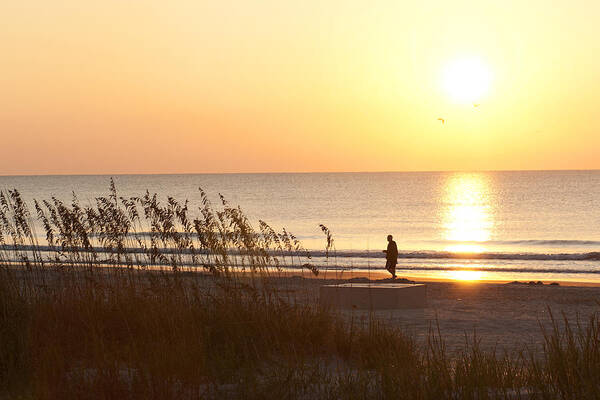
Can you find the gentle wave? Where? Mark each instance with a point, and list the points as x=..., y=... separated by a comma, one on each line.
x=340, y=267
x=431, y=255
x=524, y=242
x=589, y=256
x=502, y=269
x=440, y=255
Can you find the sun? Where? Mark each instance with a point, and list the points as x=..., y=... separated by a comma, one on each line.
x=466, y=80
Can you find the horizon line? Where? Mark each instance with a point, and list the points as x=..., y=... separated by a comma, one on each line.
x=303, y=172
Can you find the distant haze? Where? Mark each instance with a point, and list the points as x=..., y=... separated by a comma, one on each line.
x=221, y=86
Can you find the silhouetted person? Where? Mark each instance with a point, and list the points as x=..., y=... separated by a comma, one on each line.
x=391, y=256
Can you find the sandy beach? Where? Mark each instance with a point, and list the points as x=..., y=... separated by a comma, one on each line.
x=174, y=321
x=502, y=316
x=506, y=316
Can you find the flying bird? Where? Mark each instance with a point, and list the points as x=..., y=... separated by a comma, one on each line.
x=442, y=119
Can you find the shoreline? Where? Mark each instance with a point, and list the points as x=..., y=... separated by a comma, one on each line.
x=343, y=274
x=376, y=275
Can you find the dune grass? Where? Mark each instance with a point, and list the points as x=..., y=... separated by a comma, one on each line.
x=175, y=335
x=70, y=328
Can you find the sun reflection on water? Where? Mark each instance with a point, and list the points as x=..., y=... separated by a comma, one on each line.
x=465, y=275
x=467, y=217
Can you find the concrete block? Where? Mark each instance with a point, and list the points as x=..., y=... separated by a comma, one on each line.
x=374, y=296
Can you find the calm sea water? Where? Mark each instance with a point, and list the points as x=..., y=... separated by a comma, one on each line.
x=511, y=225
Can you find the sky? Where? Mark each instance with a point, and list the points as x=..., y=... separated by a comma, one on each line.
x=273, y=86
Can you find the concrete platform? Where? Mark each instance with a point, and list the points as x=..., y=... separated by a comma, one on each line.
x=375, y=296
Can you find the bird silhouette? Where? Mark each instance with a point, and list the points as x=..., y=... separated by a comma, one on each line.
x=442, y=119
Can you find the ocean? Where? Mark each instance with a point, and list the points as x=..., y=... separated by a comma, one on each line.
x=513, y=225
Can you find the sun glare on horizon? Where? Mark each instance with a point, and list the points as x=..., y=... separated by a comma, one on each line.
x=466, y=79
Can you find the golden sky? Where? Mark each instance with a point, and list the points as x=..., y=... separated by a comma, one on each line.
x=183, y=86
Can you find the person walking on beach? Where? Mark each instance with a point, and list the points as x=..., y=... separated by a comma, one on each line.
x=391, y=256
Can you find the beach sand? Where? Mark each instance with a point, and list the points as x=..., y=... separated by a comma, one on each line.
x=503, y=316
x=508, y=317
